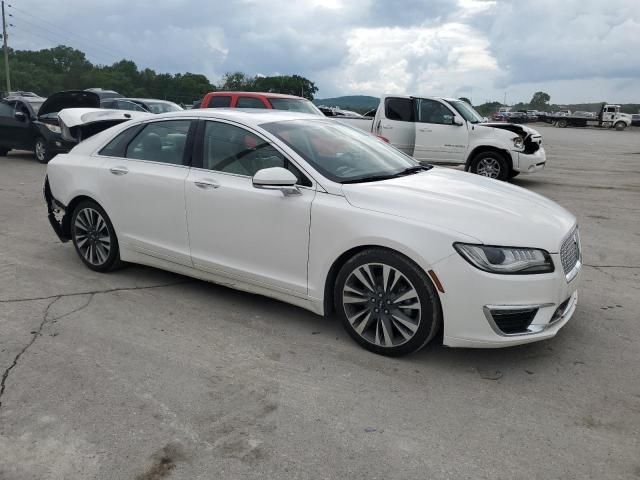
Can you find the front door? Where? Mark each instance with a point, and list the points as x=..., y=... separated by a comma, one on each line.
x=395, y=121
x=438, y=138
x=237, y=230
x=143, y=190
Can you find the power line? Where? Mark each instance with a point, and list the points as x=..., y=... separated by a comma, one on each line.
x=68, y=32
x=59, y=37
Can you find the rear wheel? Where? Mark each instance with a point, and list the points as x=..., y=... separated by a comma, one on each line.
x=620, y=126
x=490, y=164
x=41, y=150
x=562, y=123
x=94, y=237
x=386, y=302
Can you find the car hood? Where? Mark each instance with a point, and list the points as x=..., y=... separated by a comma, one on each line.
x=493, y=212
x=512, y=127
x=69, y=99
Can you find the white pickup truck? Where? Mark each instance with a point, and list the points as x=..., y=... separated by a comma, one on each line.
x=450, y=131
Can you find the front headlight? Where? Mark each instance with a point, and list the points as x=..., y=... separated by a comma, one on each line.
x=53, y=128
x=506, y=260
x=518, y=142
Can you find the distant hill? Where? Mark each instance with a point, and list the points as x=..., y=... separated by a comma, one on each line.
x=359, y=103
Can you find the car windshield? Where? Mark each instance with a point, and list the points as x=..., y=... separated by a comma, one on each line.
x=36, y=106
x=295, y=105
x=163, y=107
x=467, y=111
x=342, y=153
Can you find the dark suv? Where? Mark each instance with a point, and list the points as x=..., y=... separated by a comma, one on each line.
x=31, y=123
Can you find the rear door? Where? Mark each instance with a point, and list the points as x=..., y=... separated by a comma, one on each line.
x=395, y=120
x=143, y=188
x=438, y=138
x=14, y=133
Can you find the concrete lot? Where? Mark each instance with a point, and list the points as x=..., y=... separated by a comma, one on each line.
x=142, y=374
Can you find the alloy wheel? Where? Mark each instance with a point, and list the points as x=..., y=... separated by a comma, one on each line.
x=92, y=236
x=41, y=150
x=381, y=304
x=488, y=167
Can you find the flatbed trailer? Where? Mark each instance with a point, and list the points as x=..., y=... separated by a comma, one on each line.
x=608, y=117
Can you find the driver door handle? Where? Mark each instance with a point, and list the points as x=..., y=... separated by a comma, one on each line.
x=119, y=170
x=206, y=184
x=425, y=129
x=388, y=127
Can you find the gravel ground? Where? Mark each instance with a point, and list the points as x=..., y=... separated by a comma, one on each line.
x=143, y=374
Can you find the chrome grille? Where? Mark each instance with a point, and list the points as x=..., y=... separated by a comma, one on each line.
x=570, y=251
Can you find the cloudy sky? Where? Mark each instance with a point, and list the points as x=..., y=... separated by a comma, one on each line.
x=576, y=50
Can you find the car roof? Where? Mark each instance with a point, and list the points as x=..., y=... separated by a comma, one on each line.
x=256, y=94
x=247, y=116
x=145, y=99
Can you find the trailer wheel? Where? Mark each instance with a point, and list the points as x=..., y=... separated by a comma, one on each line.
x=562, y=123
x=620, y=126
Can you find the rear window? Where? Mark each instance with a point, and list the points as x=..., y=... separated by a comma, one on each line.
x=249, y=102
x=219, y=102
x=400, y=109
x=295, y=105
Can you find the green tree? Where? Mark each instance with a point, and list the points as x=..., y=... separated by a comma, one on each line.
x=540, y=101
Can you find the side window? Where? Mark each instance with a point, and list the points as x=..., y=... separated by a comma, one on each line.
x=232, y=149
x=249, y=102
x=431, y=111
x=219, y=102
x=160, y=142
x=128, y=105
x=108, y=104
x=6, y=110
x=399, y=109
x=118, y=146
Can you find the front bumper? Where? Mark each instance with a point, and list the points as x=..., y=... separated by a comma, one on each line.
x=470, y=294
x=529, y=163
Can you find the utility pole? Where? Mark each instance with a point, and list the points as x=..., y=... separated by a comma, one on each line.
x=6, y=49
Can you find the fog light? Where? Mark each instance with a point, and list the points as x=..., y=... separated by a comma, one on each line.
x=58, y=144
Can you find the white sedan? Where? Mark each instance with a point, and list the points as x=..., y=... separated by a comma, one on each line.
x=323, y=216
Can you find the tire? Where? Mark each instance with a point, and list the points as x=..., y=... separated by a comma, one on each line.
x=490, y=164
x=41, y=150
x=368, y=305
x=620, y=126
x=562, y=124
x=513, y=174
x=94, y=237
x=4, y=151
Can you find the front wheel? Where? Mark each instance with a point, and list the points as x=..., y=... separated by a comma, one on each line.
x=94, y=237
x=620, y=126
x=490, y=164
x=41, y=150
x=386, y=302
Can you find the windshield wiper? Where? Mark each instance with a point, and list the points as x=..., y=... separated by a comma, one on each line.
x=402, y=173
x=414, y=169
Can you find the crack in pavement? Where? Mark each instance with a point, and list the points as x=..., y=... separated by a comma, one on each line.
x=37, y=333
x=94, y=292
x=34, y=337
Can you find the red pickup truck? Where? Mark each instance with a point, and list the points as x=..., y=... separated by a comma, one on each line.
x=276, y=101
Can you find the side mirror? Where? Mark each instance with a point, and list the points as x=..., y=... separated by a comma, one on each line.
x=458, y=122
x=276, y=178
x=20, y=116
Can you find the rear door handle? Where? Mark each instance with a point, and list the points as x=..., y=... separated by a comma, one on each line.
x=206, y=184
x=388, y=127
x=119, y=170
x=424, y=130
